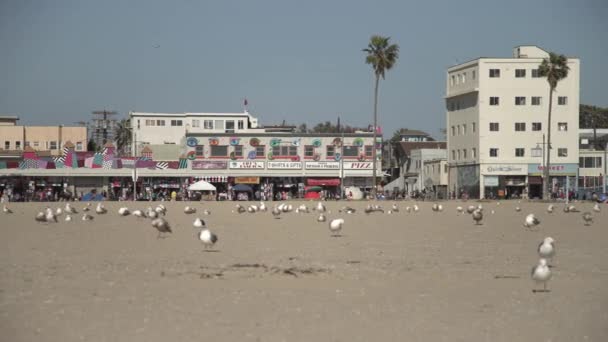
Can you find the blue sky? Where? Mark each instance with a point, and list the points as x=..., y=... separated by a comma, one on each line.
x=298, y=61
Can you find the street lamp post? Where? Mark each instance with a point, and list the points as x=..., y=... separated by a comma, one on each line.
x=134, y=173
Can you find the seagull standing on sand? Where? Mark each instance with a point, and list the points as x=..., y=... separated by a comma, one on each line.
x=546, y=249
x=124, y=211
x=162, y=226
x=138, y=213
x=50, y=215
x=68, y=218
x=6, y=210
x=198, y=223
x=550, y=208
x=541, y=273
x=87, y=217
x=263, y=206
x=471, y=209
x=459, y=210
x=596, y=208
x=477, y=216
x=335, y=226
x=207, y=238
x=531, y=221
x=587, y=218
x=100, y=209
x=189, y=210
x=40, y=217
x=321, y=218
x=395, y=208
x=58, y=212
x=321, y=207
x=152, y=214
x=161, y=209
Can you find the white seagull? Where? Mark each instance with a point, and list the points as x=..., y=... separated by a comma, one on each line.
x=596, y=208
x=198, y=223
x=207, y=238
x=477, y=216
x=68, y=218
x=100, y=209
x=550, y=208
x=321, y=218
x=321, y=207
x=124, y=211
x=335, y=226
x=138, y=213
x=541, y=273
x=6, y=210
x=588, y=218
x=531, y=221
x=546, y=249
x=87, y=217
x=189, y=210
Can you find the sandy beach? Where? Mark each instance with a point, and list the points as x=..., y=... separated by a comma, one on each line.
x=400, y=277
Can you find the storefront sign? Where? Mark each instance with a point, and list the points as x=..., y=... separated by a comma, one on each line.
x=504, y=169
x=490, y=181
x=284, y=165
x=246, y=164
x=209, y=165
x=247, y=180
x=358, y=165
x=312, y=165
x=555, y=169
x=323, y=181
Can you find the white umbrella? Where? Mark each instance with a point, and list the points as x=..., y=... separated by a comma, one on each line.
x=202, y=186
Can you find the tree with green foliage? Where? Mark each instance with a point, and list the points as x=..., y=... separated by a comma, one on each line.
x=554, y=69
x=382, y=56
x=91, y=146
x=593, y=117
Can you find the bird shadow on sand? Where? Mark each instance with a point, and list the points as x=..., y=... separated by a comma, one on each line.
x=211, y=250
x=337, y=235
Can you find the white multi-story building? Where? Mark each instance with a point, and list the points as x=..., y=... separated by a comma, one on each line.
x=496, y=120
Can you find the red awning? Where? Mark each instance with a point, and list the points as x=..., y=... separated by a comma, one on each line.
x=323, y=181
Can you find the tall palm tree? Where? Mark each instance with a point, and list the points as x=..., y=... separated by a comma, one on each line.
x=382, y=56
x=123, y=136
x=555, y=68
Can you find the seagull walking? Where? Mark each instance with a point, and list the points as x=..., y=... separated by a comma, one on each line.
x=207, y=238
x=546, y=249
x=597, y=208
x=588, y=218
x=100, y=209
x=550, y=208
x=198, y=223
x=531, y=221
x=162, y=226
x=477, y=216
x=541, y=273
x=6, y=210
x=335, y=226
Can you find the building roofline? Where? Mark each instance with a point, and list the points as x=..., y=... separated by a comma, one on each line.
x=9, y=117
x=284, y=134
x=187, y=114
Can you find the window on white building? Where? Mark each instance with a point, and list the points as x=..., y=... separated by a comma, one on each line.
x=199, y=150
x=7, y=145
x=494, y=73
x=520, y=127
x=208, y=124
x=260, y=151
x=464, y=129
x=562, y=126
x=537, y=126
x=36, y=144
x=453, y=131
x=196, y=123
x=464, y=77
x=494, y=101
x=519, y=152
x=452, y=80
x=150, y=122
x=474, y=153
x=562, y=152
x=219, y=124
x=473, y=74
x=520, y=73
x=536, y=100
x=161, y=122
x=458, y=154
x=350, y=151
x=241, y=124
x=464, y=154
x=562, y=100
x=493, y=126
x=230, y=125
x=459, y=130
x=520, y=100
x=369, y=151
x=453, y=155
x=52, y=145
x=176, y=123
x=309, y=151
x=473, y=126
x=17, y=145
x=493, y=152
x=219, y=151
x=238, y=151
x=535, y=73
x=284, y=151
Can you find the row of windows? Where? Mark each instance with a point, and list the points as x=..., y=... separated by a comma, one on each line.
x=462, y=129
x=519, y=73
x=433, y=168
x=519, y=152
x=534, y=100
x=283, y=151
x=461, y=78
x=536, y=126
x=48, y=145
x=196, y=123
x=589, y=162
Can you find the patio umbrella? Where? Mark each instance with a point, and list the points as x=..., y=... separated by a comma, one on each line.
x=202, y=186
x=314, y=188
x=242, y=187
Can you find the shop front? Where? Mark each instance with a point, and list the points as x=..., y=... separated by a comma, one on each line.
x=504, y=180
x=562, y=178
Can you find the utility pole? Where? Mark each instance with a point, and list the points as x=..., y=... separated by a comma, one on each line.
x=605, y=168
x=134, y=174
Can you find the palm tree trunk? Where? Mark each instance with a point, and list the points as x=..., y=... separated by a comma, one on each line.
x=546, y=171
x=374, y=190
